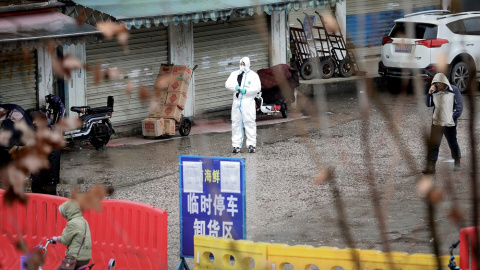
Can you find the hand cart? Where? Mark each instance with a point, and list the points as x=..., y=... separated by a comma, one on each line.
x=342, y=56
x=185, y=125
x=312, y=59
x=300, y=48
x=324, y=63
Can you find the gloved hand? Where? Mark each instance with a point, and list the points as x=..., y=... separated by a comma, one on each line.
x=243, y=91
x=237, y=88
x=54, y=240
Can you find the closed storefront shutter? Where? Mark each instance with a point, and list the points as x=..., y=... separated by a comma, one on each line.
x=295, y=15
x=218, y=48
x=147, y=49
x=368, y=21
x=18, y=78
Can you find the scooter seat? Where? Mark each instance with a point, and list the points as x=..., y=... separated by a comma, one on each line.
x=80, y=109
x=104, y=109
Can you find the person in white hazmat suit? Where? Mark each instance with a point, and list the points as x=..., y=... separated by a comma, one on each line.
x=245, y=84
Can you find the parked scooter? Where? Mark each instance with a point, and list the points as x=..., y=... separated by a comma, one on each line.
x=278, y=87
x=46, y=180
x=96, y=125
x=270, y=109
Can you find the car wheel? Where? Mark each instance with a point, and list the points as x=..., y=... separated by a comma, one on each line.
x=460, y=76
x=309, y=70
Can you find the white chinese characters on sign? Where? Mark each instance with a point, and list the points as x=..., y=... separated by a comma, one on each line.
x=203, y=204
x=219, y=204
x=206, y=204
x=192, y=207
x=232, y=206
x=213, y=227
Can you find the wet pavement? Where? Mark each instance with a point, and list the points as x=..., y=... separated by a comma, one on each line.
x=284, y=205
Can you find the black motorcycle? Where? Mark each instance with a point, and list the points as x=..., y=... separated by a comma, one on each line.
x=46, y=180
x=96, y=126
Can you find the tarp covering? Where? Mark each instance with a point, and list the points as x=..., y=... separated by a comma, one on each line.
x=155, y=12
x=32, y=30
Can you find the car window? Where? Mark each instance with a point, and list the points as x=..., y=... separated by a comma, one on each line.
x=420, y=30
x=457, y=27
x=472, y=26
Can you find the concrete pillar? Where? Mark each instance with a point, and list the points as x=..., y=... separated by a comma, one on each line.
x=446, y=4
x=278, y=39
x=341, y=14
x=75, y=93
x=45, y=75
x=180, y=48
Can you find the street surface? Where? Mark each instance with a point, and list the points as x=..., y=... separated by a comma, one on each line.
x=284, y=205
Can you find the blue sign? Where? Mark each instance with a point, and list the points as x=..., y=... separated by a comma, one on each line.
x=212, y=199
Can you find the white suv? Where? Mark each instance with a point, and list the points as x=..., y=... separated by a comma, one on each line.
x=419, y=40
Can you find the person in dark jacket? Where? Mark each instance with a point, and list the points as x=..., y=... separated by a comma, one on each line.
x=73, y=235
x=448, y=106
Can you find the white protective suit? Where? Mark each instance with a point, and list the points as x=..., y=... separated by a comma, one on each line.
x=243, y=107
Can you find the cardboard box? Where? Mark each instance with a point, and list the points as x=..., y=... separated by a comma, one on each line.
x=171, y=112
x=182, y=72
x=156, y=114
x=169, y=127
x=161, y=97
x=162, y=82
x=153, y=127
x=176, y=99
x=178, y=86
x=165, y=69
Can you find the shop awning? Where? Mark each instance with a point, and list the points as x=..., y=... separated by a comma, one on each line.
x=155, y=12
x=33, y=30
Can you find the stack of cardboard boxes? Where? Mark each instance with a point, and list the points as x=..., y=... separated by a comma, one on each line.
x=171, y=89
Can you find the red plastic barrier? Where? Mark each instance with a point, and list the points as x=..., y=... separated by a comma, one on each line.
x=467, y=242
x=134, y=234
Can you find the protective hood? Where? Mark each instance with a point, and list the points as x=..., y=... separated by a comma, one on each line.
x=441, y=78
x=245, y=60
x=70, y=209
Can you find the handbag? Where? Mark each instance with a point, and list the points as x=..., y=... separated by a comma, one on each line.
x=70, y=262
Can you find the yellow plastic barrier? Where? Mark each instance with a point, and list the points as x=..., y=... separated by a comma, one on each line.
x=374, y=259
x=302, y=257
x=228, y=253
x=241, y=254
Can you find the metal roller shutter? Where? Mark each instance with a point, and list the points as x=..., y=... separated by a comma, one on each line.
x=295, y=15
x=147, y=50
x=368, y=21
x=218, y=48
x=18, y=78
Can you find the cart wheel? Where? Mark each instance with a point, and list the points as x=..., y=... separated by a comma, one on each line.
x=309, y=70
x=185, y=127
x=328, y=68
x=346, y=67
x=284, y=110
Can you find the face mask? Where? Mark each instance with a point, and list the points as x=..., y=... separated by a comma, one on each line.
x=243, y=68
